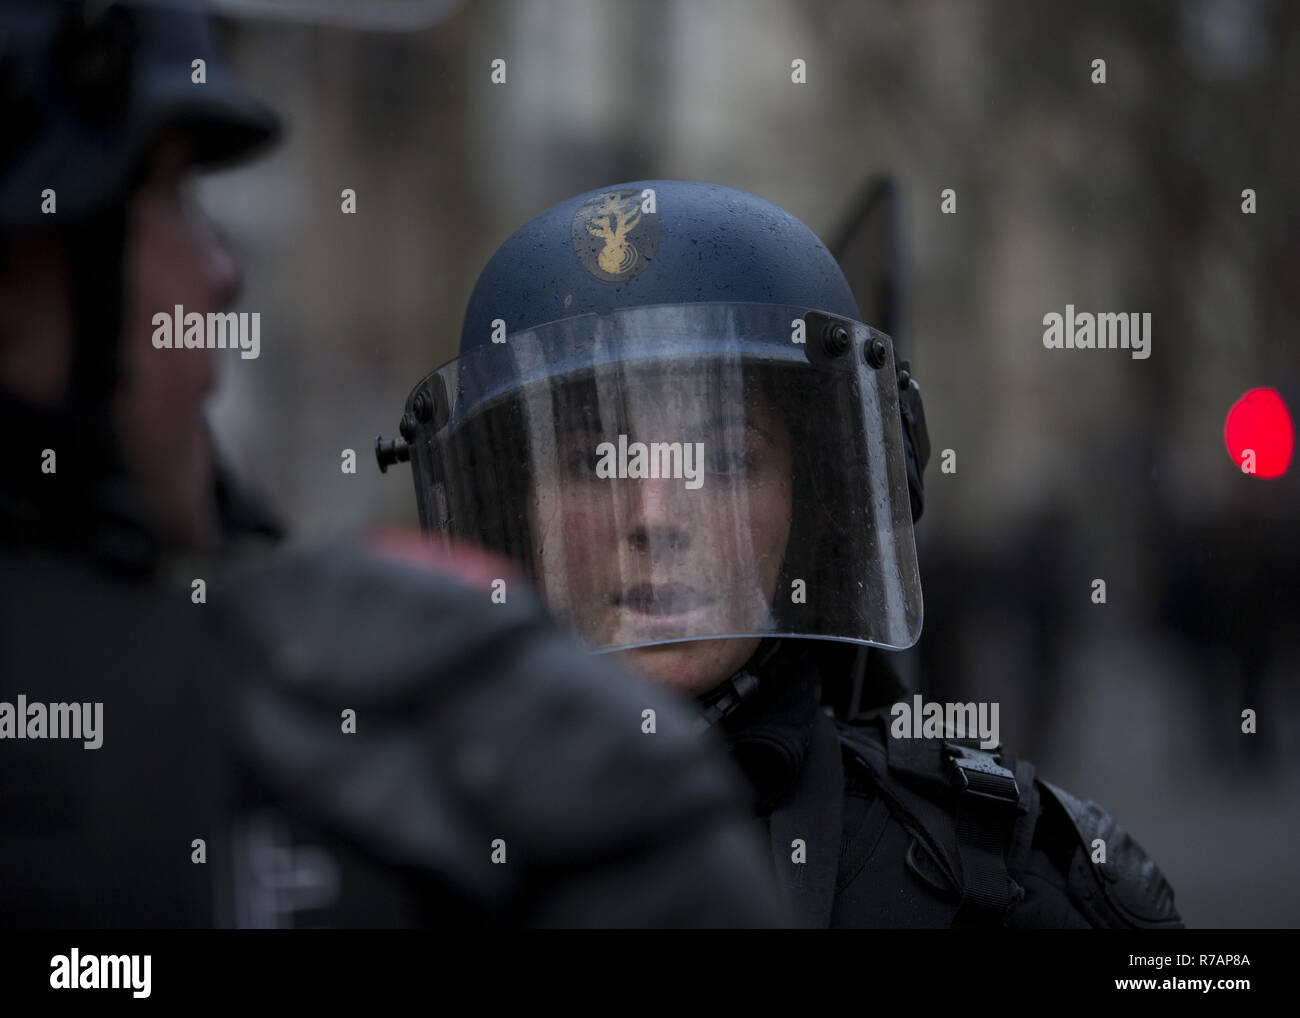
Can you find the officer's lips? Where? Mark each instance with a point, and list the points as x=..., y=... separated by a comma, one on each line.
x=662, y=599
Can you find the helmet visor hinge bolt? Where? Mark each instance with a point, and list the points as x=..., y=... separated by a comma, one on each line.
x=835, y=339
x=874, y=352
x=390, y=451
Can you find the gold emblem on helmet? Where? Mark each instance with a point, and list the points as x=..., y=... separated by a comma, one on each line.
x=611, y=237
x=610, y=221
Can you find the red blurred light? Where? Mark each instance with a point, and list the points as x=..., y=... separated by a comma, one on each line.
x=1259, y=420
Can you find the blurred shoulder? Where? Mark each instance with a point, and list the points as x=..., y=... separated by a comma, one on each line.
x=380, y=610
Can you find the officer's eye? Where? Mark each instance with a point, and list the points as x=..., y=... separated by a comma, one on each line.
x=731, y=453
x=728, y=462
x=580, y=463
x=577, y=454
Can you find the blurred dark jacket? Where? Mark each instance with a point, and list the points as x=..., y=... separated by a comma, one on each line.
x=224, y=721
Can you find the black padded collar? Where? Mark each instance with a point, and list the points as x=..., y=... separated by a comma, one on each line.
x=769, y=734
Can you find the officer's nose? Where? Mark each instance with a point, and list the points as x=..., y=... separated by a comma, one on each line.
x=221, y=269
x=657, y=519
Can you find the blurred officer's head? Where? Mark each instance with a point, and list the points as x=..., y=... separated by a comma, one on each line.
x=171, y=256
x=100, y=232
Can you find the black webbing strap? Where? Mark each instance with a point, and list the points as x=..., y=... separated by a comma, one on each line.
x=967, y=800
x=987, y=808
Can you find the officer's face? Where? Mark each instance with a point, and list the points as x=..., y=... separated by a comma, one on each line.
x=173, y=257
x=628, y=559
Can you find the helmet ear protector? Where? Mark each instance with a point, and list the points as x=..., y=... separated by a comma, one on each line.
x=916, y=437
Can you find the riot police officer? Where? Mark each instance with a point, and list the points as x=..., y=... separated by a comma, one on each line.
x=351, y=736
x=667, y=410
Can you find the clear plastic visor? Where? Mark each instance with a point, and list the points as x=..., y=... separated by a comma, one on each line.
x=683, y=473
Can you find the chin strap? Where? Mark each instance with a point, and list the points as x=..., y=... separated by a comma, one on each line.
x=724, y=698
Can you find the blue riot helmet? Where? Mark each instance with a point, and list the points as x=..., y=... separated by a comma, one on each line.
x=667, y=411
x=88, y=87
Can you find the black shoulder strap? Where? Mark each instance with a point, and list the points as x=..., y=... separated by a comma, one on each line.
x=971, y=808
x=814, y=813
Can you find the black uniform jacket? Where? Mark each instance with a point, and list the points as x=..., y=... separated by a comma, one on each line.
x=867, y=830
